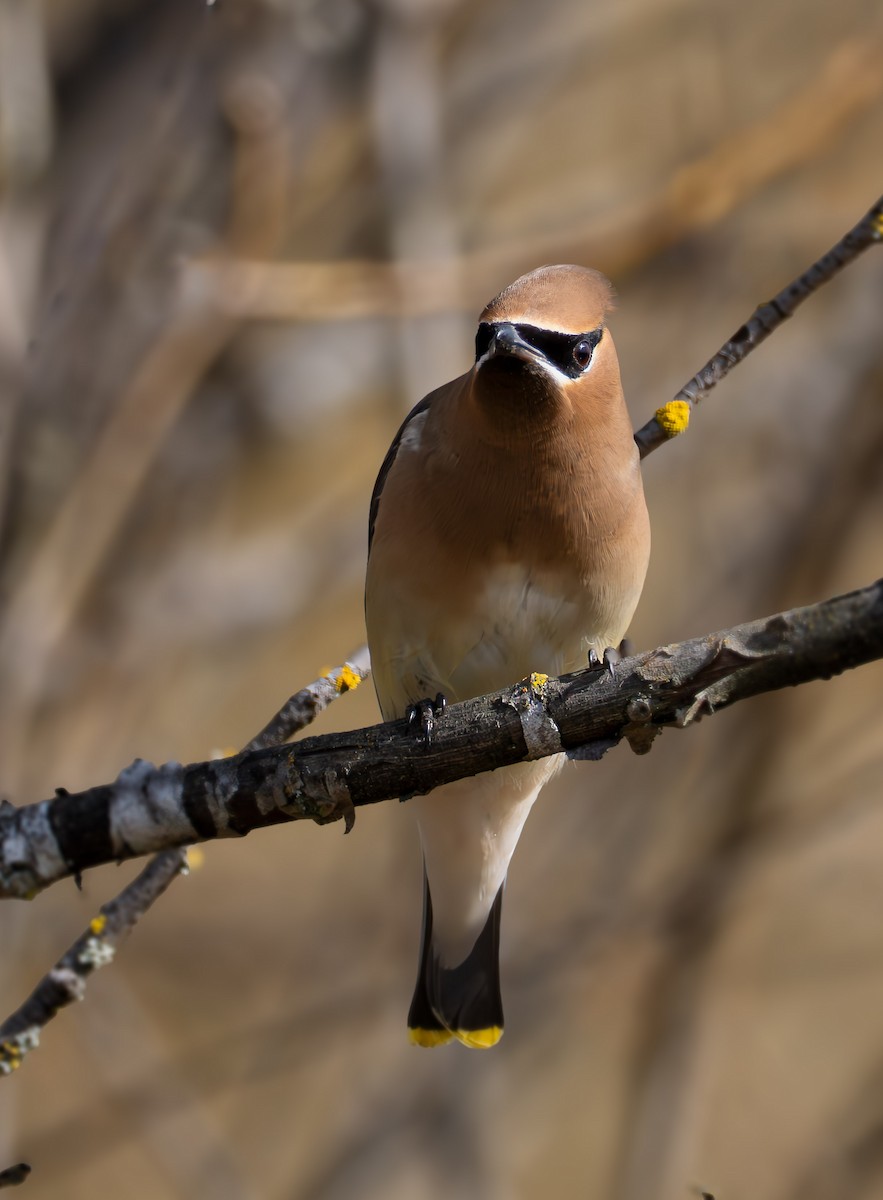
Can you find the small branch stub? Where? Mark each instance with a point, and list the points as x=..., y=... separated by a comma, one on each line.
x=541, y=735
x=640, y=732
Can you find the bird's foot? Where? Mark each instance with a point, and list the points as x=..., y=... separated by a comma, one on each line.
x=607, y=661
x=426, y=712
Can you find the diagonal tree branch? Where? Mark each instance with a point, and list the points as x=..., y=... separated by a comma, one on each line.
x=674, y=417
x=325, y=778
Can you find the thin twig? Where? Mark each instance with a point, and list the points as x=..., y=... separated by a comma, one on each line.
x=304, y=706
x=66, y=982
x=325, y=778
x=674, y=417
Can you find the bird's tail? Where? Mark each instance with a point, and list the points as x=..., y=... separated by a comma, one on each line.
x=461, y=1002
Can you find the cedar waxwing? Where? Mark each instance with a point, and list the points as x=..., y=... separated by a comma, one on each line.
x=508, y=534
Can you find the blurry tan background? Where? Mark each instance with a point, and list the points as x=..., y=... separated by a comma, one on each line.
x=192, y=418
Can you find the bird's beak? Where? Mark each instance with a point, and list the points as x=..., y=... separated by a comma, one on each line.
x=507, y=340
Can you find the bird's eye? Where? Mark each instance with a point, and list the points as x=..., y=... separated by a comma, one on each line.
x=582, y=353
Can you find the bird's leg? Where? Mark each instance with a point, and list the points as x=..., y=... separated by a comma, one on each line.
x=427, y=713
x=605, y=662
x=609, y=657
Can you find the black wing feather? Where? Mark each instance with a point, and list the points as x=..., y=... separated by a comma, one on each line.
x=386, y=465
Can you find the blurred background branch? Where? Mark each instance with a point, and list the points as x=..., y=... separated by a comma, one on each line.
x=695, y=195
x=73, y=549
x=14, y=1175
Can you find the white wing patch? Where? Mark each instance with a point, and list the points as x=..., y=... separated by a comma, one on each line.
x=412, y=434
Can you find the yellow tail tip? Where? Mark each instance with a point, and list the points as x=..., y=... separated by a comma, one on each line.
x=429, y=1037
x=479, y=1039
x=476, y=1039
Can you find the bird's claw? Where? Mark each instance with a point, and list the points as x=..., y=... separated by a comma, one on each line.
x=427, y=713
x=606, y=662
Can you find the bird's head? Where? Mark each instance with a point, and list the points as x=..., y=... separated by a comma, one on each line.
x=542, y=346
